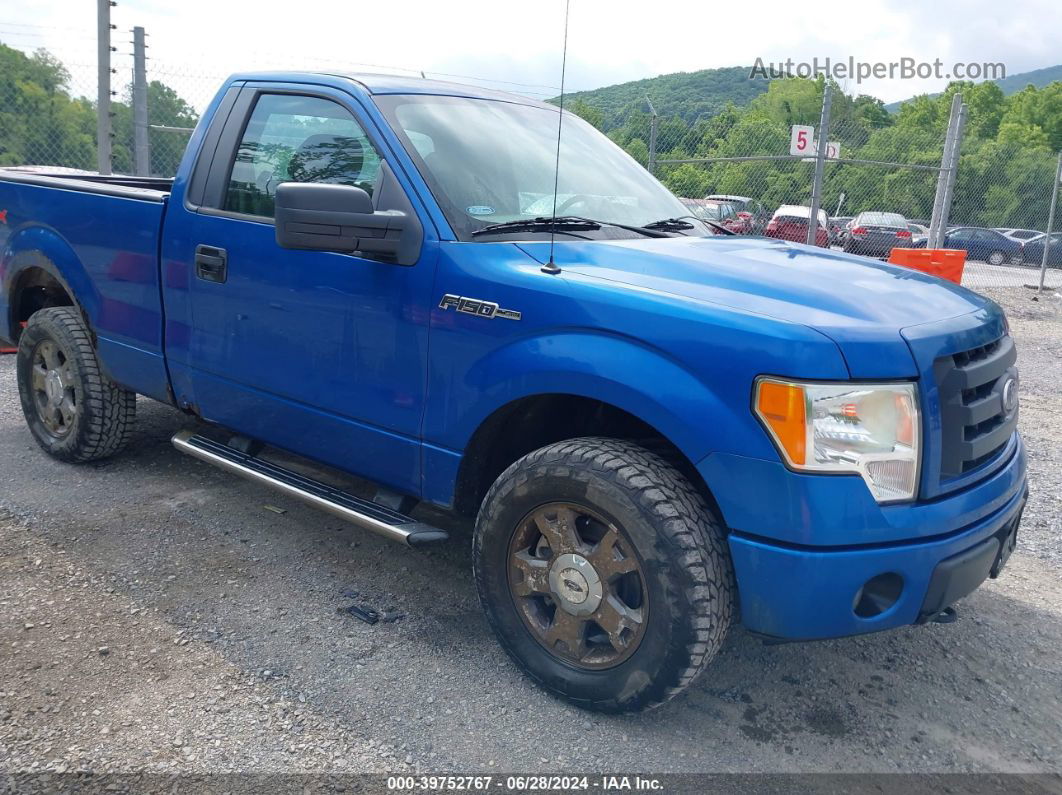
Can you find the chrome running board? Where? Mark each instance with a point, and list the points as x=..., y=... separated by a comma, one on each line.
x=363, y=513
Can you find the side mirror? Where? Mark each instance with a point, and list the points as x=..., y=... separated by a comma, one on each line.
x=324, y=217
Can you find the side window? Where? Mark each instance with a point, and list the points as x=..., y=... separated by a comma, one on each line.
x=292, y=138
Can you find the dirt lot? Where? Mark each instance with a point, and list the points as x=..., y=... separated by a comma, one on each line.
x=156, y=615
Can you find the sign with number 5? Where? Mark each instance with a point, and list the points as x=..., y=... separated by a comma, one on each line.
x=802, y=139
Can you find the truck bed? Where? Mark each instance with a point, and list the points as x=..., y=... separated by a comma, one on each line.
x=99, y=236
x=145, y=188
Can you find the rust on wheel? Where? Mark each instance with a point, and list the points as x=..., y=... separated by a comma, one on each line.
x=578, y=586
x=54, y=390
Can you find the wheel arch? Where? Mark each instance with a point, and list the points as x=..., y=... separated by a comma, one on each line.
x=572, y=383
x=546, y=418
x=40, y=269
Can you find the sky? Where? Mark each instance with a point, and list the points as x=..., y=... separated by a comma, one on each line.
x=517, y=46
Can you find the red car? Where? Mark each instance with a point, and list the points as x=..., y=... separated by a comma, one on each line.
x=719, y=212
x=790, y=222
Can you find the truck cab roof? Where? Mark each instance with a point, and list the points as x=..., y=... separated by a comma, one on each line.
x=379, y=83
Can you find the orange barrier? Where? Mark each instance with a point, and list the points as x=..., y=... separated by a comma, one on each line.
x=947, y=263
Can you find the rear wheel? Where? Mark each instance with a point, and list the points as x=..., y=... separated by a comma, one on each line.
x=997, y=258
x=604, y=573
x=73, y=410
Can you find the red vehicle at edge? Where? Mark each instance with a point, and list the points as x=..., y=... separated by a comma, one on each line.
x=790, y=222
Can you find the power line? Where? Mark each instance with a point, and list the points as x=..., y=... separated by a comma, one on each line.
x=45, y=27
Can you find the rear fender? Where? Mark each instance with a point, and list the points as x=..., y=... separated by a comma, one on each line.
x=55, y=257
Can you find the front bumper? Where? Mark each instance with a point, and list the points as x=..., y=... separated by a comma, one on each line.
x=795, y=590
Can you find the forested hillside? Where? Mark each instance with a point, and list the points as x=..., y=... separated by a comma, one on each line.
x=1040, y=78
x=1004, y=176
x=689, y=96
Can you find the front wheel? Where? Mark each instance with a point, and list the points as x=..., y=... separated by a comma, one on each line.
x=73, y=410
x=604, y=573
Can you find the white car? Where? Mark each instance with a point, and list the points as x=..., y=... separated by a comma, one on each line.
x=1021, y=235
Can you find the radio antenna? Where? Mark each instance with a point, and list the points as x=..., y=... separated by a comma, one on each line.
x=551, y=266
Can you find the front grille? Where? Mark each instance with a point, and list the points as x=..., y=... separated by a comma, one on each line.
x=975, y=425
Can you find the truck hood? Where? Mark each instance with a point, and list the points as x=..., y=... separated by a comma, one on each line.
x=861, y=304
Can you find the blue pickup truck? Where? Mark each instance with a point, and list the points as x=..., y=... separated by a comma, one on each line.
x=659, y=430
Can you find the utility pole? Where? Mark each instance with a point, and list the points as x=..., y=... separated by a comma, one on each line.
x=1050, y=223
x=140, y=104
x=952, y=173
x=938, y=221
x=652, y=135
x=103, y=95
x=820, y=163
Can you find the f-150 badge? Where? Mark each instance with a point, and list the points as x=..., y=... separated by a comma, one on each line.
x=473, y=306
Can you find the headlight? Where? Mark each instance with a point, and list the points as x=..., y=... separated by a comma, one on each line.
x=873, y=430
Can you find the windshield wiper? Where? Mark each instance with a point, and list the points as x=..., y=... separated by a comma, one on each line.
x=679, y=224
x=563, y=224
x=670, y=225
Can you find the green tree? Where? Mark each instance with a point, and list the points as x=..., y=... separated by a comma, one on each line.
x=42, y=123
x=588, y=113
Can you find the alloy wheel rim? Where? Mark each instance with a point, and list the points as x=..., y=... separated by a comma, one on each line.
x=53, y=384
x=578, y=586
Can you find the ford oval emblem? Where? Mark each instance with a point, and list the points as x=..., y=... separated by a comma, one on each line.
x=1010, y=395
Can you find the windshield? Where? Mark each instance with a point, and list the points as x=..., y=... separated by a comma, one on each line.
x=490, y=162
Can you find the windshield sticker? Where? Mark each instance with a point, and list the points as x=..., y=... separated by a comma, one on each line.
x=479, y=209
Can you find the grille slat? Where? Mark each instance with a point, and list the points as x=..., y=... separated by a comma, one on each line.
x=975, y=426
x=974, y=412
x=983, y=365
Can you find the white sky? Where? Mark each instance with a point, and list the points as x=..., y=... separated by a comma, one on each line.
x=517, y=45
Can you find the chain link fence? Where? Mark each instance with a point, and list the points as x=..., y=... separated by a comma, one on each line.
x=734, y=167
x=731, y=164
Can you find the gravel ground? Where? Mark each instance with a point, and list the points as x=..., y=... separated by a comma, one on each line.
x=159, y=615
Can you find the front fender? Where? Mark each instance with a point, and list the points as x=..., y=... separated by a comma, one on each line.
x=622, y=372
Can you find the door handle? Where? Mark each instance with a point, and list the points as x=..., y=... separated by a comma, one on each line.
x=211, y=263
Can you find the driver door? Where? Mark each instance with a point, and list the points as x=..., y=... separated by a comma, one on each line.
x=320, y=353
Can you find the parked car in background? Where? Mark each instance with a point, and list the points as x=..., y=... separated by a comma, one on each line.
x=1021, y=235
x=875, y=234
x=987, y=245
x=718, y=212
x=750, y=212
x=1033, y=251
x=836, y=229
x=918, y=231
x=790, y=222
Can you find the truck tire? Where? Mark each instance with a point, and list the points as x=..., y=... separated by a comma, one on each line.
x=604, y=573
x=74, y=411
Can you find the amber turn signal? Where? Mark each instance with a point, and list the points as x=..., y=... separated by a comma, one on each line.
x=782, y=406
